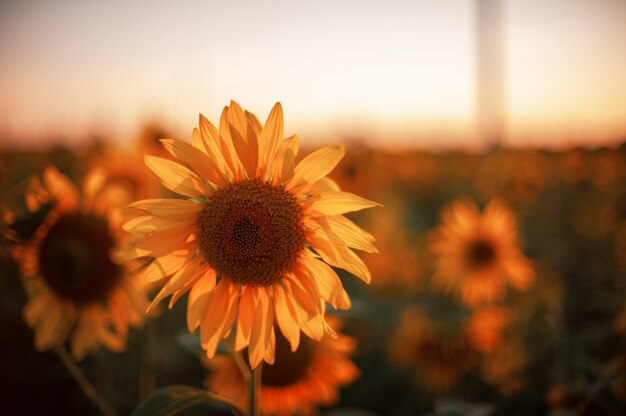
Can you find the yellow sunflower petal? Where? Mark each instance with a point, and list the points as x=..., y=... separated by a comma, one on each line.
x=161, y=244
x=286, y=160
x=337, y=203
x=164, y=266
x=197, y=304
x=196, y=160
x=254, y=124
x=271, y=136
x=316, y=165
x=286, y=317
x=211, y=141
x=170, y=209
x=327, y=282
x=61, y=188
x=314, y=328
x=304, y=302
x=322, y=186
x=228, y=147
x=270, y=348
x=345, y=232
x=260, y=334
x=92, y=185
x=150, y=224
x=177, y=178
x=245, y=320
x=340, y=256
x=222, y=304
x=247, y=149
x=177, y=281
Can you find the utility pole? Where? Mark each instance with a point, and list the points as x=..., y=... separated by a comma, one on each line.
x=490, y=101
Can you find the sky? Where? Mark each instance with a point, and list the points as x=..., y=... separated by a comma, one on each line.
x=389, y=73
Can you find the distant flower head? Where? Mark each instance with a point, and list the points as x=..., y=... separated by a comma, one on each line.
x=126, y=171
x=254, y=240
x=298, y=382
x=438, y=355
x=77, y=293
x=486, y=327
x=477, y=255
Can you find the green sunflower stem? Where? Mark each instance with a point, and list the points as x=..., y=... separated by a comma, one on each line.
x=255, y=390
x=85, y=385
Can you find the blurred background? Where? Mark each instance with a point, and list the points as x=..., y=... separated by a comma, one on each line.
x=523, y=101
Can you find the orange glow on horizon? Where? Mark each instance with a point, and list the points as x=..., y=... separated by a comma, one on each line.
x=356, y=71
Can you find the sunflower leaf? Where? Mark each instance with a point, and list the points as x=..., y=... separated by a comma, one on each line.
x=172, y=400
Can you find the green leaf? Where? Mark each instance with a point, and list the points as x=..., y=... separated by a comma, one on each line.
x=172, y=400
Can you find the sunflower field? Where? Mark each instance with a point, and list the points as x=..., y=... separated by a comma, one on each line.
x=485, y=283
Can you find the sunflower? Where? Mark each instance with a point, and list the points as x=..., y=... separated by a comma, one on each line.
x=298, y=382
x=76, y=292
x=486, y=327
x=477, y=255
x=125, y=169
x=438, y=354
x=255, y=240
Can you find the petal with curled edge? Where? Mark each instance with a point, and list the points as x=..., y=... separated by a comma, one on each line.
x=177, y=178
x=326, y=280
x=340, y=230
x=340, y=256
x=305, y=302
x=195, y=159
x=316, y=165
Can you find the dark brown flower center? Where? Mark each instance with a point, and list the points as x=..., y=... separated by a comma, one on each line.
x=74, y=258
x=481, y=253
x=289, y=367
x=251, y=232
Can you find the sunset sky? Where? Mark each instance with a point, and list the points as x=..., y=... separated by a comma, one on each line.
x=388, y=72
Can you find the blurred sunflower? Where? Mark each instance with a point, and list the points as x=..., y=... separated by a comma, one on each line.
x=257, y=237
x=125, y=169
x=486, y=327
x=298, y=382
x=478, y=255
x=438, y=355
x=76, y=292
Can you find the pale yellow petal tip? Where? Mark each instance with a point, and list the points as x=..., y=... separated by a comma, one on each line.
x=147, y=159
